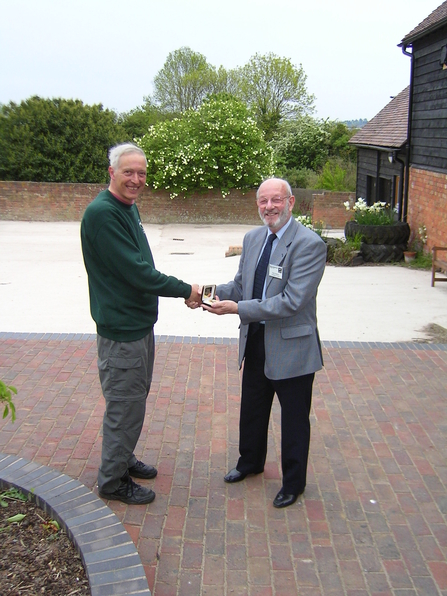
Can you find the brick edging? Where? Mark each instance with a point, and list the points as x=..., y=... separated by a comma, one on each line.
x=369, y=345
x=111, y=561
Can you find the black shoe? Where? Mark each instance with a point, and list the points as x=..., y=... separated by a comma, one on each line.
x=130, y=492
x=284, y=500
x=141, y=470
x=235, y=476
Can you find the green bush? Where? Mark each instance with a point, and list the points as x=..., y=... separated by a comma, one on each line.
x=56, y=140
x=337, y=176
x=298, y=177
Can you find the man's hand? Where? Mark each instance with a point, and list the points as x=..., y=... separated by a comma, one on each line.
x=195, y=298
x=222, y=307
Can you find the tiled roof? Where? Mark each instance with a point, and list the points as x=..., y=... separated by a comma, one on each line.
x=389, y=127
x=435, y=20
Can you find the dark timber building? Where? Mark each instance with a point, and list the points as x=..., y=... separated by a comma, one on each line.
x=402, y=152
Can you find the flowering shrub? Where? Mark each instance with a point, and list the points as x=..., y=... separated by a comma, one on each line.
x=379, y=214
x=306, y=220
x=418, y=241
x=216, y=146
x=303, y=142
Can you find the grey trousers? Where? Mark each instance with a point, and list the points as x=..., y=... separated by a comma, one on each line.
x=125, y=372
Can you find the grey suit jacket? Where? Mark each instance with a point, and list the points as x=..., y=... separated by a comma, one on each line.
x=292, y=344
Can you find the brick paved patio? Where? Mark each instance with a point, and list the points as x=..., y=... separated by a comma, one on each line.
x=373, y=517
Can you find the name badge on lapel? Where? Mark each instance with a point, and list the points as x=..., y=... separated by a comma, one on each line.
x=275, y=271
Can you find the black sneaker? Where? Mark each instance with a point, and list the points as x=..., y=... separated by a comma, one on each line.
x=130, y=492
x=141, y=470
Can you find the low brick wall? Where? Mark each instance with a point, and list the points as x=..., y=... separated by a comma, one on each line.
x=209, y=207
x=47, y=201
x=40, y=201
x=329, y=210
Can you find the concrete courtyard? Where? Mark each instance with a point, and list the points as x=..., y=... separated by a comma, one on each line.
x=373, y=518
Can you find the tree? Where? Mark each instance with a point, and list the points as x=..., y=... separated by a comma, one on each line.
x=137, y=122
x=56, y=140
x=184, y=81
x=340, y=134
x=216, y=146
x=315, y=153
x=226, y=81
x=275, y=89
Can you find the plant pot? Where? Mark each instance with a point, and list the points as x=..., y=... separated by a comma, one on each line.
x=409, y=256
x=395, y=234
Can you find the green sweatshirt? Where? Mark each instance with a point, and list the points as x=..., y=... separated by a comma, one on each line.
x=123, y=283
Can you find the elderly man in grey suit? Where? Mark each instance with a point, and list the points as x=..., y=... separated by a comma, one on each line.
x=274, y=293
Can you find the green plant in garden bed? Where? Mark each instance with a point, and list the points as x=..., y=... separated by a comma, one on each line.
x=12, y=494
x=342, y=252
x=379, y=214
x=339, y=252
x=354, y=243
x=422, y=260
x=6, y=392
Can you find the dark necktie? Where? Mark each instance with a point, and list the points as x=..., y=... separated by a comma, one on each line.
x=261, y=269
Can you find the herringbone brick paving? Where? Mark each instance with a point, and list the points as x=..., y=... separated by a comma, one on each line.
x=373, y=517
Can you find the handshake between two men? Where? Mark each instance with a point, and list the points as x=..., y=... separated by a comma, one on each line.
x=205, y=296
x=273, y=293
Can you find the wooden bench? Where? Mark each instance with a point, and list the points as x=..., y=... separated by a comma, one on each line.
x=438, y=263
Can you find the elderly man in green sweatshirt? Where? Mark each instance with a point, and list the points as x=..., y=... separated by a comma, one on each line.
x=124, y=286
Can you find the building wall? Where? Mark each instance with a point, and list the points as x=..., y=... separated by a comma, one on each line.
x=427, y=205
x=46, y=201
x=429, y=113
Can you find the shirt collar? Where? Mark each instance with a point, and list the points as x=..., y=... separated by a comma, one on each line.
x=280, y=233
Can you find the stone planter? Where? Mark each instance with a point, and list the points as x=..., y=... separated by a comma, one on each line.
x=380, y=244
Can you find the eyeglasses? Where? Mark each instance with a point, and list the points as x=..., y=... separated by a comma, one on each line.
x=276, y=201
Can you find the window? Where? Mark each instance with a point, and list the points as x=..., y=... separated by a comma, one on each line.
x=370, y=190
x=385, y=190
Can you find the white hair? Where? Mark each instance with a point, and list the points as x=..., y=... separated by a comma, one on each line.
x=118, y=151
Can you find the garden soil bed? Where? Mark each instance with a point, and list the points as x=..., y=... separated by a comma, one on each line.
x=36, y=557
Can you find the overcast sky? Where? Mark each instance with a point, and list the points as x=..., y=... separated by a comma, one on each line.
x=108, y=51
